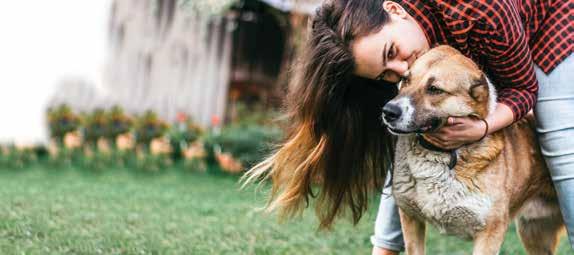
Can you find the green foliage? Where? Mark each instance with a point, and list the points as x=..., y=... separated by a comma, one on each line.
x=119, y=123
x=65, y=157
x=249, y=138
x=62, y=120
x=148, y=127
x=244, y=142
x=247, y=143
x=152, y=163
x=185, y=131
x=95, y=126
x=255, y=115
x=13, y=157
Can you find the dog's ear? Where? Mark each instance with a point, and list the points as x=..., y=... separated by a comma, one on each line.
x=479, y=89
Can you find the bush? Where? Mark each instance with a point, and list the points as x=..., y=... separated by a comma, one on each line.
x=183, y=134
x=148, y=127
x=110, y=137
x=61, y=120
x=247, y=143
x=17, y=157
x=254, y=115
x=119, y=123
x=95, y=126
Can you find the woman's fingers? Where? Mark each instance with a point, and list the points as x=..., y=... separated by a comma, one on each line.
x=458, y=132
x=434, y=140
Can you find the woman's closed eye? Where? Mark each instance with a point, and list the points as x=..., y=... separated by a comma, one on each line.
x=391, y=53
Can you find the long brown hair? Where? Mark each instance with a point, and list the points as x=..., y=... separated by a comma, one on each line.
x=334, y=133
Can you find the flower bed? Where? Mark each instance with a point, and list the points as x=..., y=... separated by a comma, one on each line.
x=109, y=137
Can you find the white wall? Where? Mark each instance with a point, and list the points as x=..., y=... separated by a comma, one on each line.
x=42, y=42
x=169, y=67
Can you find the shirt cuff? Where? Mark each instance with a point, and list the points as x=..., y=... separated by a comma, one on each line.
x=386, y=245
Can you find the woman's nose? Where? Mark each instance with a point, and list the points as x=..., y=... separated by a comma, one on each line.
x=397, y=69
x=398, y=66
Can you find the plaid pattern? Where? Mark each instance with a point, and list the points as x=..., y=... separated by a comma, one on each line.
x=504, y=37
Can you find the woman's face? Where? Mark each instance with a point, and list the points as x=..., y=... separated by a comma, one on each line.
x=388, y=53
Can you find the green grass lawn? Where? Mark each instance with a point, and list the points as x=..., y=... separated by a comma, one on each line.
x=70, y=211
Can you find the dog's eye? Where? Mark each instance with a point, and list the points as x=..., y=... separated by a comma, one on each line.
x=434, y=90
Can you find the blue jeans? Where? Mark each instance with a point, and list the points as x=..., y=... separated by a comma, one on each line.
x=555, y=118
x=388, y=233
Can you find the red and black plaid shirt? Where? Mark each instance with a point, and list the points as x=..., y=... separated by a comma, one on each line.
x=504, y=37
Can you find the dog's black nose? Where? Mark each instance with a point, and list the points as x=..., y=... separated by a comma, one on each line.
x=391, y=112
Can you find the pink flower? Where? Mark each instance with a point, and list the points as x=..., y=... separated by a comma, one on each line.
x=181, y=117
x=215, y=120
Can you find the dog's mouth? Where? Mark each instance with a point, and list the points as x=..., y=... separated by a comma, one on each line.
x=398, y=131
x=431, y=125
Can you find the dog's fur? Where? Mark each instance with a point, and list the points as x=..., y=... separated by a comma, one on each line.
x=495, y=180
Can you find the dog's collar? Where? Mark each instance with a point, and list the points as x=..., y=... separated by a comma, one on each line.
x=429, y=146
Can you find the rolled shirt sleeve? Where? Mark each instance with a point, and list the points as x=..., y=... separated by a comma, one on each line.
x=509, y=65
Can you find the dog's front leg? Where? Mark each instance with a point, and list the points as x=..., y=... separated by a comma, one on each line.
x=489, y=241
x=413, y=234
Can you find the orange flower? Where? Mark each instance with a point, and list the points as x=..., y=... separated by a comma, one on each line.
x=228, y=163
x=194, y=151
x=104, y=145
x=73, y=140
x=125, y=142
x=159, y=146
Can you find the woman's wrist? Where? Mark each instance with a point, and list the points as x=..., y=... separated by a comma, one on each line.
x=501, y=117
x=485, y=128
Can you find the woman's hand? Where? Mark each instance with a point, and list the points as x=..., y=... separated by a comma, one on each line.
x=457, y=132
x=464, y=130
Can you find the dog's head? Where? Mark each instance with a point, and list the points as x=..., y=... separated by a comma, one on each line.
x=441, y=83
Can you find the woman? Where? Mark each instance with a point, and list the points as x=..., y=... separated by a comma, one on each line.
x=333, y=138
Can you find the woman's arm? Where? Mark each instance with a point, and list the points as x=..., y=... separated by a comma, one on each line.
x=509, y=65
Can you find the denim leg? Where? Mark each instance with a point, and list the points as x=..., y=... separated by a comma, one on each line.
x=555, y=126
x=388, y=233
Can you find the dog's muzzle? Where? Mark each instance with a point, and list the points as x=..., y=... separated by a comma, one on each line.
x=392, y=112
x=400, y=120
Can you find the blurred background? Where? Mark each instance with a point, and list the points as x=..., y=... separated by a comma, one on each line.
x=197, y=80
x=196, y=58
x=126, y=124
x=44, y=42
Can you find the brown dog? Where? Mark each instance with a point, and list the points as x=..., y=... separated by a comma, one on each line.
x=475, y=191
